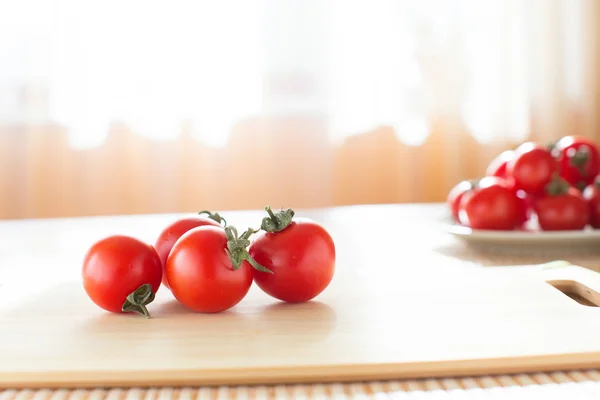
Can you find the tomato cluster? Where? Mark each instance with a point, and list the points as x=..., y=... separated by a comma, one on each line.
x=534, y=187
x=209, y=267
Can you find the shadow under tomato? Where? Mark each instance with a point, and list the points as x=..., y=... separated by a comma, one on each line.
x=65, y=309
x=168, y=308
x=172, y=308
x=312, y=312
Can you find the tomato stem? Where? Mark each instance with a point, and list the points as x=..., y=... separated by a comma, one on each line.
x=237, y=248
x=137, y=300
x=557, y=186
x=276, y=222
x=474, y=183
x=579, y=161
x=215, y=217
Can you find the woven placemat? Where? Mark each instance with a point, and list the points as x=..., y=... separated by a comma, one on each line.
x=564, y=385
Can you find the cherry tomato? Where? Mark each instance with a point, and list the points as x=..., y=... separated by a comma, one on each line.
x=299, y=252
x=563, y=208
x=122, y=274
x=532, y=168
x=592, y=195
x=209, y=269
x=492, y=204
x=168, y=237
x=497, y=166
x=579, y=160
x=456, y=194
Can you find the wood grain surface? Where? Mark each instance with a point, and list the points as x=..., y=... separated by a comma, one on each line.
x=389, y=311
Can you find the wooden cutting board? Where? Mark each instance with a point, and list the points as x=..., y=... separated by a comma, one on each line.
x=387, y=314
x=493, y=321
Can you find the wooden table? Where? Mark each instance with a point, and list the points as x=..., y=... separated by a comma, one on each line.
x=27, y=241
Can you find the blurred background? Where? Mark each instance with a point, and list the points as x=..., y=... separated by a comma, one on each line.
x=119, y=107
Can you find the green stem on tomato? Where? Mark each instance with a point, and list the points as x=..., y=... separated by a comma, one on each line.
x=557, y=186
x=276, y=222
x=474, y=183
x=137, y=300
x=237, y=248
x=215, y=217
x=579, y=161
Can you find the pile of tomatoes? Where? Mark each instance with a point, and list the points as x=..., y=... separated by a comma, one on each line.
x=534, y=187
x=208, y=266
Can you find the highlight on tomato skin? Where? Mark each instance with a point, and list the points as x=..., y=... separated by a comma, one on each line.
x=497, y=167
x=300, y=253
x=455, y=195
x=122, y=274
x=526, y=208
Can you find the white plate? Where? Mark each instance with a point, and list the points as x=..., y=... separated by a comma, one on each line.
x=587, y=237
x=530, y=238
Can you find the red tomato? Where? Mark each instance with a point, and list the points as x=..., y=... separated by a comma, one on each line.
x=299, y=251
x=563, y=208
x=492, y=204
x=209, y=269
x=122, y=274
x=168, y=237
x=579, y=160
x=497, y=166
x=532, y=168
x=592, y=195
x=456, y=194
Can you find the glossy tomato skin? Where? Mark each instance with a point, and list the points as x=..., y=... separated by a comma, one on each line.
x=455, y=195
x=493, y=204
x=201, y=274
x=532, y=168
x=301, y=257
x=568, y=211
x=115, y=267
x=591, y=194
x=497, y=166
x=525, y=207
x=579, y=160
x=167, y=238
